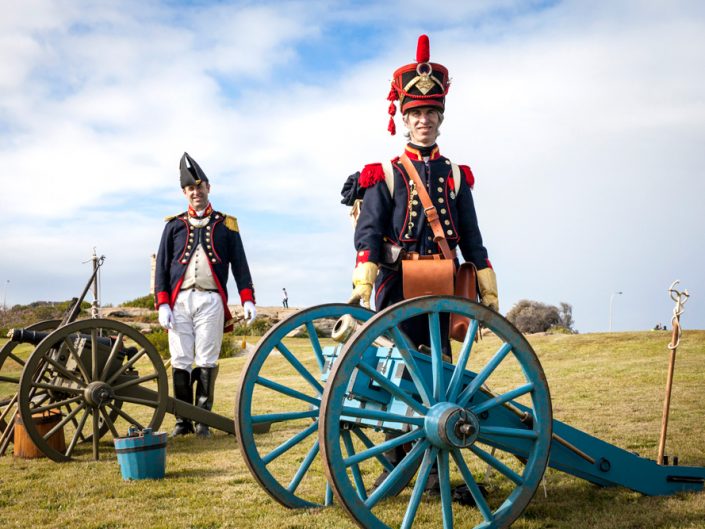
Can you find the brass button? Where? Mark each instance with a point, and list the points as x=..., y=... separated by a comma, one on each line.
x=440, y=190
x=441, y=200
x=415, y=202
x=447, y=222
x=429, y=238
x=447, y=162
x=212, y=260
x=208, y=228
x=413, y=213
x=217, y=216
x=428, y=251
x=441, y=180
x=189, y=246
x=449, y=232
x=443, y=211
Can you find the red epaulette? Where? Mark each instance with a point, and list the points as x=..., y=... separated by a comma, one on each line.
x=467, y=173
x=371, y=174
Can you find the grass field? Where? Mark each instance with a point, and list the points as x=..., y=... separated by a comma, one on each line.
x=610, y=385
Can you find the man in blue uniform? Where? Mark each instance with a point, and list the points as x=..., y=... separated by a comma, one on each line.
x=391, y=210
x=196, y=251
x=392, y=215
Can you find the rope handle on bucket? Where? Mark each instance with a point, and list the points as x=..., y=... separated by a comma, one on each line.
x=680, y=298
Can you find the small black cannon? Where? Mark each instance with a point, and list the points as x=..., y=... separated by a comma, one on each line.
x=99, y=376
x=91, y=377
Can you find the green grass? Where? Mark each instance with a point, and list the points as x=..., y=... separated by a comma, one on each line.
x=610, y=385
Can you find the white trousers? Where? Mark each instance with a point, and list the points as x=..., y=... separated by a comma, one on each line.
x=198, y=329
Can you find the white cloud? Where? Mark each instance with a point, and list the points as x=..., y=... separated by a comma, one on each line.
x=583, y=124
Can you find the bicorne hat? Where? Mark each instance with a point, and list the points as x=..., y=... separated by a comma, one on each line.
x=191, y=172
x=419, y=84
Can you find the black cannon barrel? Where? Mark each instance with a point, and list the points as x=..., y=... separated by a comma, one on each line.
x=34, y=337
x=25, y=336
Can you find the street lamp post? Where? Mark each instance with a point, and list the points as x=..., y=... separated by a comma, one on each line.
x=611, y=301
x=4, y=296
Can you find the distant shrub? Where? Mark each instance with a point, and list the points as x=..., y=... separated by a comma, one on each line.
x=533, y=316
x=20, y=316
x=232, y=345
x=160, y=341
x=145, y=302
x=559, y=329
x=259, y=327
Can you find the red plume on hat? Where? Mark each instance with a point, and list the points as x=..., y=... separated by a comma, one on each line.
x=419, y=84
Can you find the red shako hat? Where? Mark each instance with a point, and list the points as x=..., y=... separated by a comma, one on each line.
x=419, y=84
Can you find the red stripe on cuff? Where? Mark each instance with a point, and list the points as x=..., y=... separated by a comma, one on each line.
x=362, y=257
x=162, y=297
x=247, y=294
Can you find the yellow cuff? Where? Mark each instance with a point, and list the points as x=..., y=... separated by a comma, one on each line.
x=487, y=281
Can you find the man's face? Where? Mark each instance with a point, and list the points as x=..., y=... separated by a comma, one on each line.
x=197, y=195
x=423, y=123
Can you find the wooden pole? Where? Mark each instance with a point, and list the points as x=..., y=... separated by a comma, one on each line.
x=680, y=298
x=667, y=397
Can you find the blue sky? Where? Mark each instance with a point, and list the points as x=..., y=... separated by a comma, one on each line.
x=583, y=123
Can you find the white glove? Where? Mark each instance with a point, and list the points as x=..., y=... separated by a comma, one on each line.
x=250, y=311
x=166, y=317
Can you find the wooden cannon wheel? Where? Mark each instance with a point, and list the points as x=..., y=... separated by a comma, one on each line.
x=450, y=426
x=285, y=461
x=81, y=372
x=11, y=366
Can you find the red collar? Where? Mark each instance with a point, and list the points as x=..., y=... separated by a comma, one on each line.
x=206, y=213
x=415, y=154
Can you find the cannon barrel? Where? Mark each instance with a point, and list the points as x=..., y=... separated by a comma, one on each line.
x=346, y=325
x=35, y=337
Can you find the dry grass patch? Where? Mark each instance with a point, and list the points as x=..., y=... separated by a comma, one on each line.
x=610, y=385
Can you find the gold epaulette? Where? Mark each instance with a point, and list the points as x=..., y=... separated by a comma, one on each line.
x=172, y=217
x=231, y=223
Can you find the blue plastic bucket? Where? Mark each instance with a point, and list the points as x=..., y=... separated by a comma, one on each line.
x=142, y=455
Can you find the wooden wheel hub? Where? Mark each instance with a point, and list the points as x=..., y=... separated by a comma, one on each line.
x=98, y=393
x=451, y=426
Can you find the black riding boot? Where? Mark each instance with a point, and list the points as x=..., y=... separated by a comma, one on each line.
x=182, y=391
x=204, y=378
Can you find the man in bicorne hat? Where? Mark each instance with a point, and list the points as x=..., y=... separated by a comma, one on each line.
x=392, y=212
x=196, y=251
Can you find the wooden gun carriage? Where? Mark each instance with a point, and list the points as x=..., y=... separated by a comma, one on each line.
x=87, y=379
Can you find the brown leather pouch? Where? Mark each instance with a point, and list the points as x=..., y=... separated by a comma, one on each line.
x=465, y=287
x=425, y=276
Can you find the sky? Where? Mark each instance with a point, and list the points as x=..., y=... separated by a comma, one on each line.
x=583, y=122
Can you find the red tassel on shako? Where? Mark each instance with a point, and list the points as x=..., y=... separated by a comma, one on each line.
x=423, y=49
x=420, y=84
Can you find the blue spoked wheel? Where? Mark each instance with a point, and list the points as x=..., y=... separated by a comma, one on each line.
x=482, y=423
x=282, y=384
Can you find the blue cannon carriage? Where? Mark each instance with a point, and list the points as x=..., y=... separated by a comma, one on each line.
x=341, y=409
